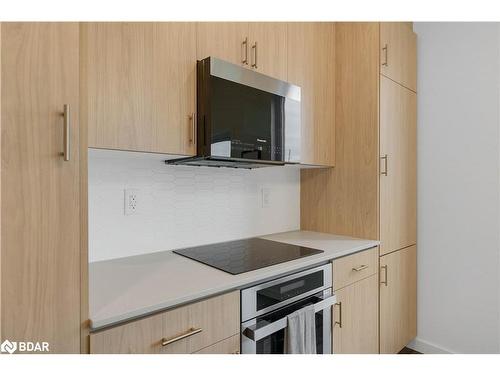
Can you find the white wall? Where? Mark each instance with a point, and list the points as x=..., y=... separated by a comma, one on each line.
x=182, y=206
x=458, y=187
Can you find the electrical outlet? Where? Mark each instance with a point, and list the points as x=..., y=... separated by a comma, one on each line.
x=131, y=201
x=265, y=194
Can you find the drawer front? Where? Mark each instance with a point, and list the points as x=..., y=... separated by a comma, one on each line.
x=140, y=337
x=196, y=326
x=183, y=330
x=352, y=268
x=230, y=345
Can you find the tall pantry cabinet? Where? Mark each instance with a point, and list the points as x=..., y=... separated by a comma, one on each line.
x=40, y=233
x=371, y=192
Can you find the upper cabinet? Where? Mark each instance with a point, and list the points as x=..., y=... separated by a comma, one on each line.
x=138, y=84
x=398, y=55
x=311, y=65
x=259, y=46
x=267, y=47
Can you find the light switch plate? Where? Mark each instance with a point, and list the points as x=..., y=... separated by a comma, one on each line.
x=265, y=194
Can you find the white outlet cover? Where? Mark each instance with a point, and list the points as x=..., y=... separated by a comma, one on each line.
x=265, y=193
x=131, y=201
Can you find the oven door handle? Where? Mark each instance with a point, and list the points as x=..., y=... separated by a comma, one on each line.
x=258, y=332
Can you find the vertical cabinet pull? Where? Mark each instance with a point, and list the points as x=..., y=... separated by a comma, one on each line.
x=385, y=48
x=384, y=282
x=339, y=322
x=192, y=128
x=254, y=48
x=384, y=171
x=67, y=124
x=244, y=46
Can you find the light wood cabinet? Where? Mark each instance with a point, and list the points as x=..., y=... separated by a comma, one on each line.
x=140, y=83
x=225, y=40
x=398, y=296
x=355, y=318
x=398, y=171
x=40, y=234
x=398, y=55
x=268, y=48
x=311, y=65
x=230, y=345
x=355, y=267
x=187, y=329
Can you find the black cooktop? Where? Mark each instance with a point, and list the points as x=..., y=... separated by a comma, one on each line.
x=240, y=256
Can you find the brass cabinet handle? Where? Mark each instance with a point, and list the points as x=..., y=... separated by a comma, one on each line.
x=192, y=126
x=384, y=158
x=385, y=279
x=254, y=47
x=191, y=332
x=67, y=133
x=339, y=322
x=360, y=268
x=244, y=45
x=385, y=48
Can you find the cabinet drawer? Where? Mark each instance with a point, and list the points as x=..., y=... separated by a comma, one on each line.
x=186, y=329
x=230, y=345
x=352, y=268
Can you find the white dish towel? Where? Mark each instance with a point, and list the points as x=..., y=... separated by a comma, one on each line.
x=301, y=331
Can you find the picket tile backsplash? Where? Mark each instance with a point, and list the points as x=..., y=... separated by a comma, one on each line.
x=182, y=206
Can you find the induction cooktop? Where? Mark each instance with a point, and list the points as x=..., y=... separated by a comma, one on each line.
x=241, y=256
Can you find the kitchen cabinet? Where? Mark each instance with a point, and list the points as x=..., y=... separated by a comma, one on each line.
x=311, y=65
x=371, y=192
x=398, y=55
x=398, y=295
x=398, y=170
x=355, y=267
x=40, y=216
x=355, y=318
x=230, y=345
x=139, y=85
x=187, y=329
x=259, y=46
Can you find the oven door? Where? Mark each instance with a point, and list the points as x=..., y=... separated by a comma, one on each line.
x=266, y=334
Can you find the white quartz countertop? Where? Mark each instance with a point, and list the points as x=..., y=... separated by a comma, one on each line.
x=127, y=288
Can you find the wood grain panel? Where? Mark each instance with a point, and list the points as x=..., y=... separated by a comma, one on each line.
x=40, y=203
x=359, y=331
x=311, y=65
x=401, y=62
x=344, y=200
x=398, y=300
x=223, y=40
x=398, y=189
x=218, y=317
x=344, y=269
x=141, y=81
x=143, y=336
x=230, y=345
x=271, y=38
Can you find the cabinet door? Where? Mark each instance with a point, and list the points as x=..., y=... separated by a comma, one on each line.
x=230, y=345
x=355, y=318
x=268, y=44
x=398, y=179
x=225, y=40
x=398, y=299
x=311, y=65
x=398, y=55
x=40, y=236
x=139, y=82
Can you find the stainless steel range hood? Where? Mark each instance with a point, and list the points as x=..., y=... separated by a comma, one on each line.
x=245, y=119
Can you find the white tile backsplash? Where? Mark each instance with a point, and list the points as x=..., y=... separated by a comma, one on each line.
x=180, y=206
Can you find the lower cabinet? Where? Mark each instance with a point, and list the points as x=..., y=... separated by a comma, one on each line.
x=355, y=315
x=208, y=326
x=398, y=299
